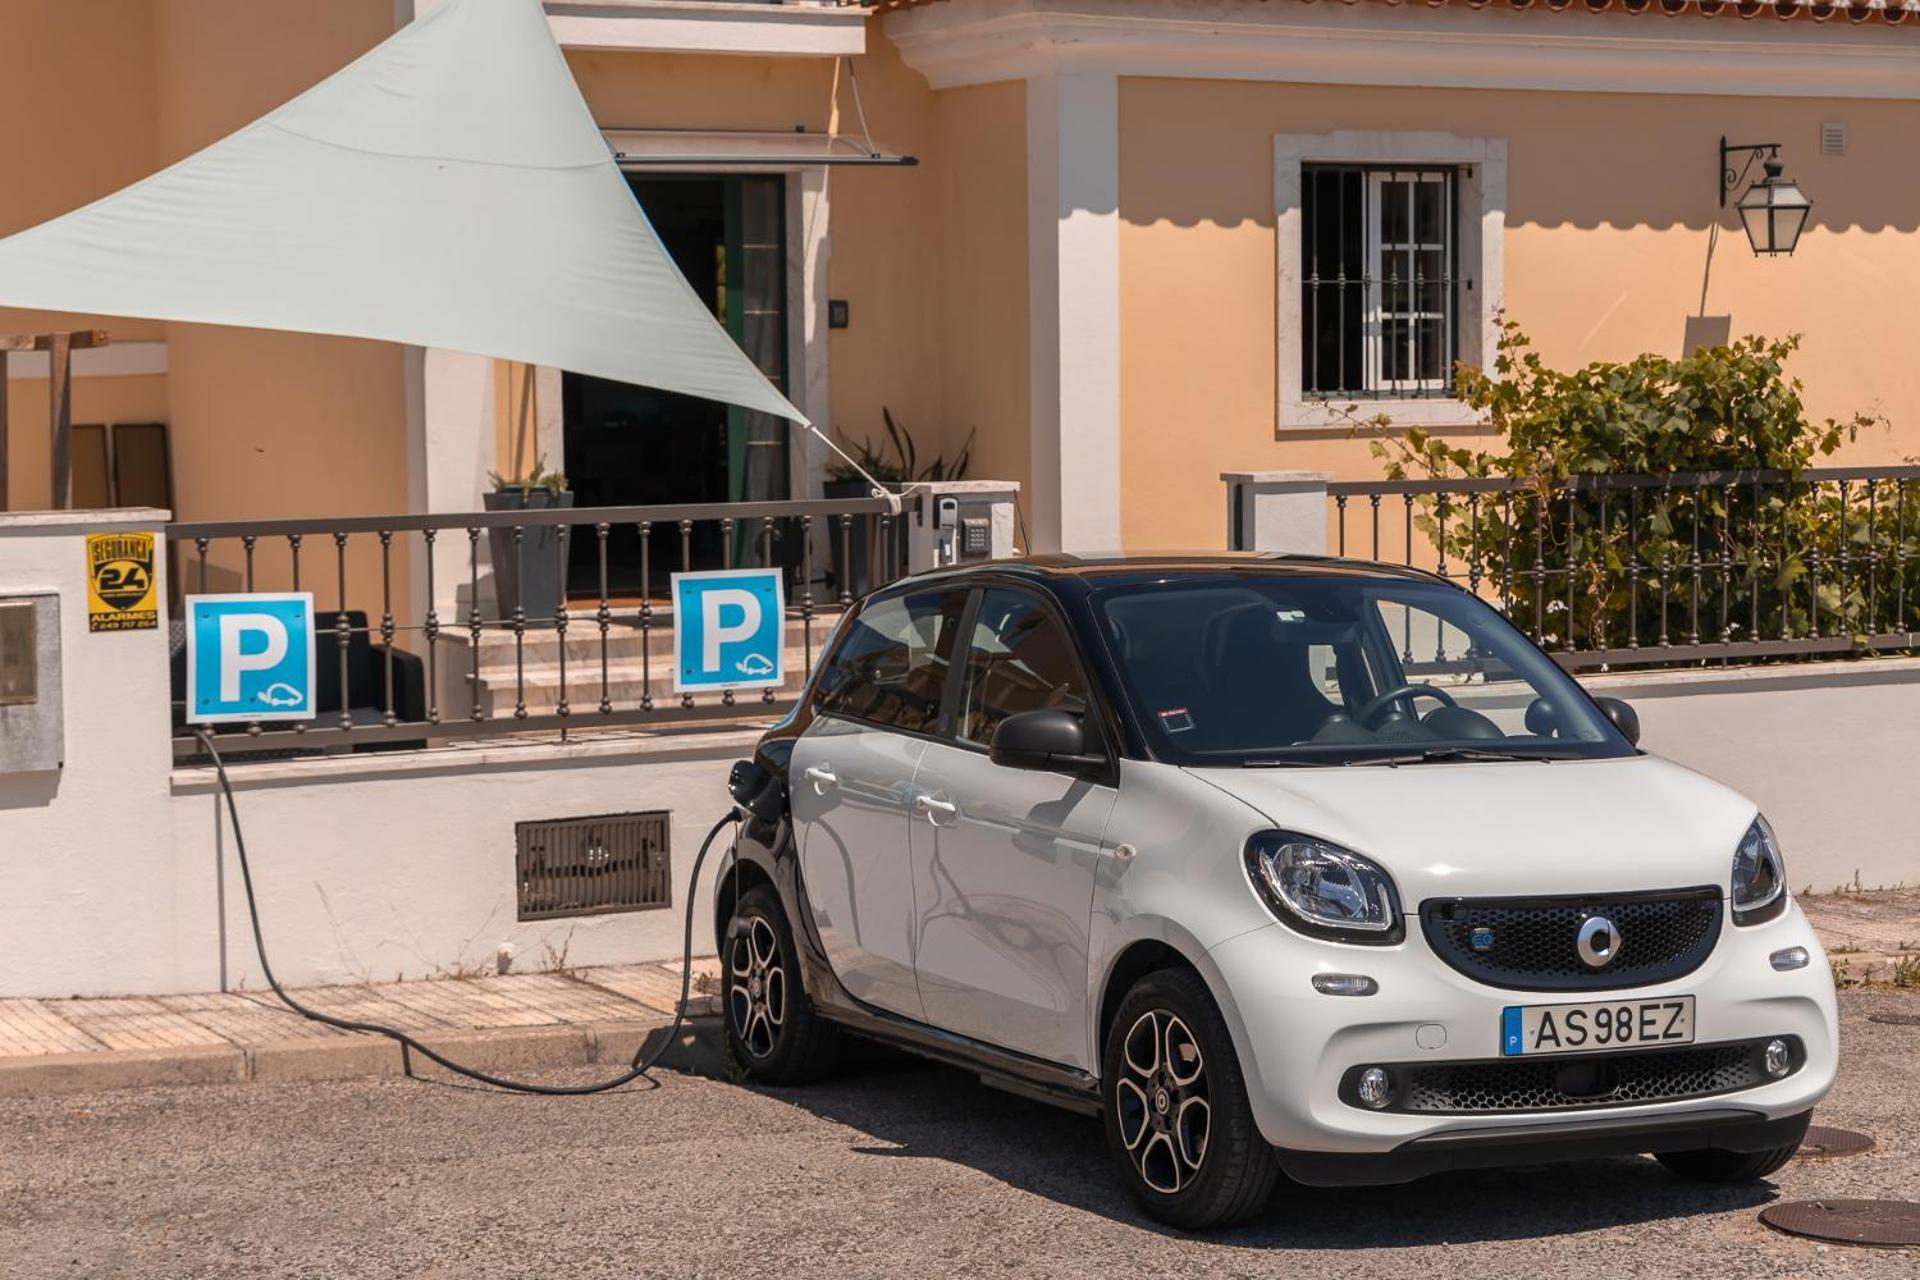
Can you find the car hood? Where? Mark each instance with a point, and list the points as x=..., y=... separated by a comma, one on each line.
x=1499, y=829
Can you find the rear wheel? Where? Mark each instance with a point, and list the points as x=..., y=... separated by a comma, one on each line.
x=1179, y=1127
x=772, y=1031
x=1712, y=1164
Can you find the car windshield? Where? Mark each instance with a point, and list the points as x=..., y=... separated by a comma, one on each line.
x=1271, y=670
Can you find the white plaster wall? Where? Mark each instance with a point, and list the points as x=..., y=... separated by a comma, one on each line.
x=91, y=898
x=375, y=868
x=1830, y=752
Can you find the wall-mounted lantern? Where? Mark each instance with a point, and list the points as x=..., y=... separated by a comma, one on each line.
x=1772, y=210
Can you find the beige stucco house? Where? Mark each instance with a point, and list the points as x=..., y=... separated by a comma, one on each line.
x=1124, y=262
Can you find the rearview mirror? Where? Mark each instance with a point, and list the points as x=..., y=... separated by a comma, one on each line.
x=1043, y=740
x=1624, y=718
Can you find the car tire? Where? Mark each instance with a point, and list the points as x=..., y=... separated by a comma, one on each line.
x=1179, y=1127
x=1713, y=1164
x=773, y=1034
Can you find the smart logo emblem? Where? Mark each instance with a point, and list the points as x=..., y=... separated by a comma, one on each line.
x=250, y=657
x=727, y=630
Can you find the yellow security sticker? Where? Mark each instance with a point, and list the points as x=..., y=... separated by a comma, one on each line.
x=120, y=582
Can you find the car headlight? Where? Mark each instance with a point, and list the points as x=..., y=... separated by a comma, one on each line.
x=1322, y=889
x=1759, y=876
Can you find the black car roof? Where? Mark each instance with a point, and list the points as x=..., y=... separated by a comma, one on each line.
x=1120, y=569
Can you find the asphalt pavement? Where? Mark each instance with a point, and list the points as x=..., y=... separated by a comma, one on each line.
x=896, y=1169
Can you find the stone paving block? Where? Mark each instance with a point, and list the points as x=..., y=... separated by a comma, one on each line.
x=649, y=984
x=136, y=1023
x=359, y=1004
x=239, y=1019
x=31, y=1027
x=465, y=1004
x=564, y=998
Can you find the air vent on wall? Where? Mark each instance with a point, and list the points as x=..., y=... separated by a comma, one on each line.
x=1833, y=138
x=593, y=866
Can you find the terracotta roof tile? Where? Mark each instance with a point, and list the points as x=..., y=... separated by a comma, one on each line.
x=1888, y=12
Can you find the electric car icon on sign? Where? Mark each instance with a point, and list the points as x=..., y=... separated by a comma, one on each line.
x=1283, y=866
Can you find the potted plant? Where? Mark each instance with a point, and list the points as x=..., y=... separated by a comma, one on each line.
x=896, y=465
x=527, y=571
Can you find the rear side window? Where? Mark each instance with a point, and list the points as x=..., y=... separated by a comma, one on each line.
x=1018, y=659
x=890, y=666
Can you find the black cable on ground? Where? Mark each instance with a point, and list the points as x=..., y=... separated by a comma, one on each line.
x=642, y=1061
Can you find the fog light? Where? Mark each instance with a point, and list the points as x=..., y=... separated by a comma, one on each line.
x=1344, y=984
x=1376, y=1088
x=1777, y=1059
x=1791, y=958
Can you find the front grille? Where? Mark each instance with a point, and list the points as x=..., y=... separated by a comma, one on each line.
x=1527, y=944
x=1572, y=1082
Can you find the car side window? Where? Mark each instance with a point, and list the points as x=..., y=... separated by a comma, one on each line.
x=890, y=667
x=1019, y=658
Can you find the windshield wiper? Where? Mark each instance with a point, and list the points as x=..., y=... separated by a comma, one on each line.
x=1441, y=755
x=1278, y=762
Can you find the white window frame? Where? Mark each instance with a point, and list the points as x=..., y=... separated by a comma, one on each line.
x=1481, y=195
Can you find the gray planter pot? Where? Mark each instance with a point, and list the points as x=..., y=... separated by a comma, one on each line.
x=529, y=574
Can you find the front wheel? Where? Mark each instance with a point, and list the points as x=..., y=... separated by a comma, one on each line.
x=1179, y=1128
x=1712, y=1164
x=772, y=1031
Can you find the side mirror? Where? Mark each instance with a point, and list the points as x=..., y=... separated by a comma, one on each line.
x=1043, y=740
x=1624, y=717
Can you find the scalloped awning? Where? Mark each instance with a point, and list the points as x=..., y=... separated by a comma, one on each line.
x=1890, y=12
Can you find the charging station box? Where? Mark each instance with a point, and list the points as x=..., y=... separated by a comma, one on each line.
x=32, y=729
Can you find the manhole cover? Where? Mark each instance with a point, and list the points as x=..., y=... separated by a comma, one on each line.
x=1896, y=1019
x=1823, y=1141
x=1889, y=1224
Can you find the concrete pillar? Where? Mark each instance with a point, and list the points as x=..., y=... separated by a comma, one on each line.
x=1283, y=511
x=978, y=522
x=1073, y=257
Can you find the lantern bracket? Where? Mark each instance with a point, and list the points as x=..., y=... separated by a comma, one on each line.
x=1729, y=177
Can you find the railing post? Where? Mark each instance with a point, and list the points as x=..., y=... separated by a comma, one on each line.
x=959, y=522
x=1284, y=511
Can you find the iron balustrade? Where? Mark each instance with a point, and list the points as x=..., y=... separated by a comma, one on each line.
x=864, y=546
x=1619, y=570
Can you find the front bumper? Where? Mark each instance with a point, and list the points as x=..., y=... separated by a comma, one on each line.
x=1297, y=1046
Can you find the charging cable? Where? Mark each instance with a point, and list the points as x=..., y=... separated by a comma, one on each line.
x=643, y=1061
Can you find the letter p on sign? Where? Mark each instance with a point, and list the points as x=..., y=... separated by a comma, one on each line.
x=250, y=657
x=728, y=630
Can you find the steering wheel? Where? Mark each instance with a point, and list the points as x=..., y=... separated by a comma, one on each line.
x=1366, y=714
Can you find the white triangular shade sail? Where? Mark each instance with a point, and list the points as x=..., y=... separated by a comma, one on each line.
x=448, y=189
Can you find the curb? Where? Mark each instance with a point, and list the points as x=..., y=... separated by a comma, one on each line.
x=504, y=1051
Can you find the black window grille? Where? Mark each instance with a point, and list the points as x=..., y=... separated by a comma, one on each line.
x=1380, y=293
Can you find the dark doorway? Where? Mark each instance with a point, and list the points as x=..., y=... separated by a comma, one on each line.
x=635, y=446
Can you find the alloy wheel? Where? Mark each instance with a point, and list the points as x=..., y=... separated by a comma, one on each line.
x=1161, y=1101
x=757, y=987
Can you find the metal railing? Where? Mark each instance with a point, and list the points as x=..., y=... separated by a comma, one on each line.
x=599, y=658
x=1617, y=570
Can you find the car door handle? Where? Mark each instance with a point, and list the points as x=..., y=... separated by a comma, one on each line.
x=934, y=809
x=821, y=777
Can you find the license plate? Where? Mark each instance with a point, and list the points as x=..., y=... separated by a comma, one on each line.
x=1604, y=1024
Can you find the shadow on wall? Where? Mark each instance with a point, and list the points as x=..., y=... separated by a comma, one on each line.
x=1201, y=153
x=29, y=790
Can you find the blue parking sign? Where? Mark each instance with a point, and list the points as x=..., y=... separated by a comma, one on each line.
x=728, y=630
x=250, y=657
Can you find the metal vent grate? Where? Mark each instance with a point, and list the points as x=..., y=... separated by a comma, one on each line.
x=593, y=866
x=1833, y=138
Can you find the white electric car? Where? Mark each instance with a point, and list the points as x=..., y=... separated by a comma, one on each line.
x=1285, y=866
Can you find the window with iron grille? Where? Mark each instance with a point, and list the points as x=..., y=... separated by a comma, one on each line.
x=1380, y=294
